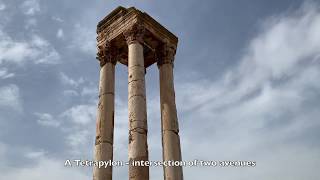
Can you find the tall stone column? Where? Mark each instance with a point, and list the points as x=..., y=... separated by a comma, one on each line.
x=171, y=149
x=138, y=147
x=105, y=114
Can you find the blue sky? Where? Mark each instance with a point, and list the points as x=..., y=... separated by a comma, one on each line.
x=246, y=80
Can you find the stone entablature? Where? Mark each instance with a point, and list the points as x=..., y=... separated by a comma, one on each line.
x=112, y=29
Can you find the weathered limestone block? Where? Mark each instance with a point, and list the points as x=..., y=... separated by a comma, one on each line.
x=105, y=122
x=138, y=150
x=135, y=105
x=137, y=88
x=135, y=53
x=138, y=147
x=138, y=124
x=169, y=122
x=138, y=144
x=103, y=152
x=166, y=78
x=170, y=141
x=167, y=99
x=169, y=117
x=172, y=152
x=138, y=173
x=105, y=127
x=105, y=115
x=106, y=77
x=136, y=73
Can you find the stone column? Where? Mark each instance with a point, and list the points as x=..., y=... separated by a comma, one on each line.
x=105, y=114
x=169, y=121
x=138, y=147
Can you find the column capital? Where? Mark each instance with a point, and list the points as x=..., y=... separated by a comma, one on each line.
x=166, y=54
x=106, y=54
x=134, y=33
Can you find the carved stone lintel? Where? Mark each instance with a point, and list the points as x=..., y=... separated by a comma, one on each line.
x=106, y=54
x=134, y=33
x=166, y=54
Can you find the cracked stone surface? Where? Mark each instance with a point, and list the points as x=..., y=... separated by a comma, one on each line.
x=105, y=122
x=138, y=147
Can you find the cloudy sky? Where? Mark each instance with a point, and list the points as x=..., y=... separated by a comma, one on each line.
x=246, y=79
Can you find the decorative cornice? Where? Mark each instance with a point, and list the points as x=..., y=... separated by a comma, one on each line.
x=106, y=54
x=166, y=54
x=119, y=11
x=120, y=17
x=133, y=26
x=134, y=33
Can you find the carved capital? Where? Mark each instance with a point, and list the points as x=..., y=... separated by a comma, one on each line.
x=166, y=54
x=134, y=33
x=106, y=54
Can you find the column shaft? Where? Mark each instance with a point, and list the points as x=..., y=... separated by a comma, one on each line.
x=169, y=123
x=105, y=122
x=138, y=147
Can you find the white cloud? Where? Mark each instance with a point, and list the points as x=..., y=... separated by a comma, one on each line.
x=287, y=48
x=78, y=140
x=36, y=50
x=51, y=57
x=46, y=53
x=30, y=7
x=43, y=166
x=35, y=154
x=10, y=97
x=2, y=6
x=60, y=34
x=58, y=19
x=70, y=93
x=69, y=81
x=4, y=74
x=14, y=51
x=31, y=23
x=262, y=105
x=90, y=91
x=48, y=168
x=289, y=41
x=81, y=114
x=46, y=119
x=84, y=34
x=80, y=120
